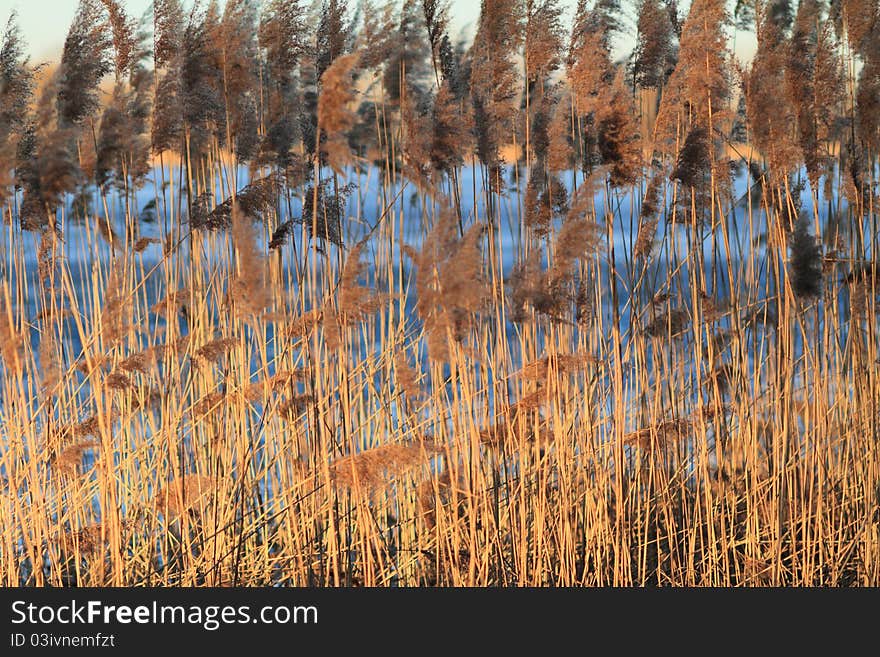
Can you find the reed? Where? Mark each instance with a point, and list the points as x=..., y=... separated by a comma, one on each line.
x=296, y=295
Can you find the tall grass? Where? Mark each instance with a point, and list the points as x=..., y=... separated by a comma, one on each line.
x=307, y=300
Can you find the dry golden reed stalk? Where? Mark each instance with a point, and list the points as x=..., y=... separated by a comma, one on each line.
x=758, y=485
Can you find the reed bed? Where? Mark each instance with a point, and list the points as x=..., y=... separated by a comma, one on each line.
x=321, y=297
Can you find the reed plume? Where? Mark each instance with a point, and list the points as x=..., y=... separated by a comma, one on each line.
x=11, y=343
x=89, y=541
x=282, y=38
x=437, y=491
x=589, y=66
x=868, y=98
x=546, y=199
x=235, y=45
x=416, y=138
x=256, y=198
x=649, y=218
x=211, y=402
x=451, y=126
x=50, y=366
x=805, y=261
x=324, y=219
x=118, y=381
x=407, y=378
x=693, y=165
x=668, y=322
x=335, y=116
x=122, y=29
x=295, y=406
x=355, y=300
x=548, y=291
x=191, y=493
x=166, y=127
x=617, y=134
x=800, y=75
x=861, y=18
x=494, y=82
x=771, y=114
x=538, y=370
x=374, y=468
x=122, y=157
x=85, y=60
x=663, y=435
x=197, y=83
x=543, y=42
x=143, y=243
x=116, y=310
x=406, y=72
x=579, y=236
x=377, y=35
x=332, y=35
x=280, y=235
x=450, y=283
x=45, y=167
x=16, y=92
x=698, y=87
x=69, y=459
x=142, y=361
x=560, y=150
x=216, y=349
x=249, y=289
x=654, y=56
